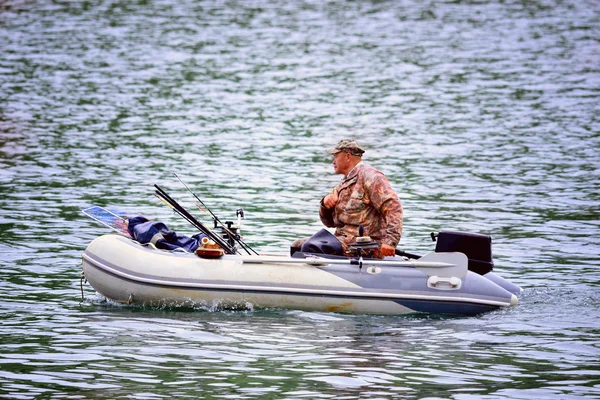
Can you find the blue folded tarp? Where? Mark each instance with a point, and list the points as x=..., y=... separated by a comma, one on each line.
x=145, y=231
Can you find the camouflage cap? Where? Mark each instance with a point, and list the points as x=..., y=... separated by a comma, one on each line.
x=348, y=146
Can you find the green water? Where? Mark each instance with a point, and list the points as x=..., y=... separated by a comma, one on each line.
x=484, y=115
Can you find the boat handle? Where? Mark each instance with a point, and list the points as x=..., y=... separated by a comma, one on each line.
x=440, y=282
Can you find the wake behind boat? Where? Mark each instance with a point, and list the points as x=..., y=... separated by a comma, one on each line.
x=455, y=279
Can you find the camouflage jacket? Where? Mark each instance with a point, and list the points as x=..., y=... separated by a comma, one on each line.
x=365, y=197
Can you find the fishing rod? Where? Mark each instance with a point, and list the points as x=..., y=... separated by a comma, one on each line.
x=176, y=211
x=197, y=198
x=179, y=210
x=162, y=195
x=190, y=218
x=231, y=234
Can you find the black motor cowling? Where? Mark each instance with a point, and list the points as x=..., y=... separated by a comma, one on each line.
x=477, y=248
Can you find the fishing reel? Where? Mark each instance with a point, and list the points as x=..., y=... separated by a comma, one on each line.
x=228, y=231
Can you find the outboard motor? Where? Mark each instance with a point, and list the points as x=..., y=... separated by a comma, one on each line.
x=477, y=248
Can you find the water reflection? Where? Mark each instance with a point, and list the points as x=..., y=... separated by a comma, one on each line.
x=481, y=114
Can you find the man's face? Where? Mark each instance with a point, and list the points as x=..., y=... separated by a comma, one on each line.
x=341, y=162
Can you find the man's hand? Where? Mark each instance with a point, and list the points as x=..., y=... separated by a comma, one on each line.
x=331, y=199
x=387, y=250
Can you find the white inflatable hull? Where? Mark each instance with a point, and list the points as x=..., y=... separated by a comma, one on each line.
x=125, y=271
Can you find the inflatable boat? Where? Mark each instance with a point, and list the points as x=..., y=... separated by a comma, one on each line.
x=456, y=278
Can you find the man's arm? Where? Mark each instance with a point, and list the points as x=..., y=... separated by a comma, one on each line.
x=392, y=214
x=326, y=214
x=386, y=201
x=328, y=207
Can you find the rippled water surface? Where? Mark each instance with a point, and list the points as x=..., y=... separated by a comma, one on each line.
x=484, y=115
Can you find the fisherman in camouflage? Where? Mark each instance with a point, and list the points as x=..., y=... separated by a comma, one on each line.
x=363, y=197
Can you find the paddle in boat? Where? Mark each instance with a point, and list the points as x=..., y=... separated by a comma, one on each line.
x=210, y=269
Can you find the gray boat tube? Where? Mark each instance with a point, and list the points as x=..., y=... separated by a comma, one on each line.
x=503, y=283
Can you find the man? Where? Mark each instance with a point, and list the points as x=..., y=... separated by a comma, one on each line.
x=363, y=197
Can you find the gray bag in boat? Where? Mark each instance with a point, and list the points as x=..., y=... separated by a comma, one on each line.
x=323, y=242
